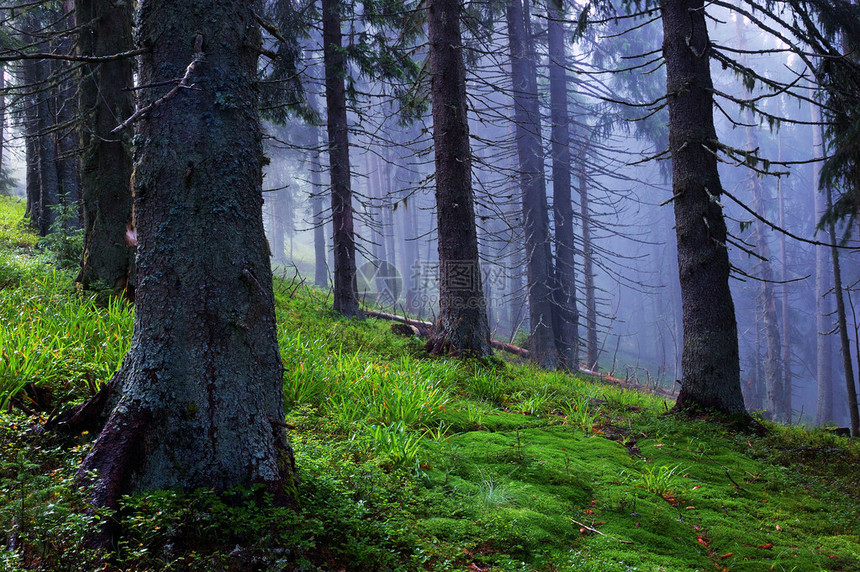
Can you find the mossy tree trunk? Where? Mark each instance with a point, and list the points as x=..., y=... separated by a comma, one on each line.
x=462, y=325
x=106, y=164
x=200, y=400
x=710, y=377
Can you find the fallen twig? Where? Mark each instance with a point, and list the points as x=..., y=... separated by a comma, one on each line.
x=592, y=529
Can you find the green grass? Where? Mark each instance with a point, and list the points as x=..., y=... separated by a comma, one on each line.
x=409, y=462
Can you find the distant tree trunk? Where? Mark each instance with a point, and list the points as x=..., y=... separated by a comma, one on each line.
x=49, y=183
x=535, y=216
x=106, y=165
x=784, y=302
x=842, y=323
x=2, y=122
x=775, y=404
x=823, y=348
x=200, y=399
x=462, y=325
x=711, y=372
x=320, y=266
x=66, y=112
x=591, y=349
x=567, y=322
x=345, y=282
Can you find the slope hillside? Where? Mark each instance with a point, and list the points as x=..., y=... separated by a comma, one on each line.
x=409, y=462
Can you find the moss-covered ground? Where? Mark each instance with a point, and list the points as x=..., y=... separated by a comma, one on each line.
x=408, y=462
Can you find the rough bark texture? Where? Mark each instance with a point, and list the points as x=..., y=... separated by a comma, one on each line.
x=343, y=236
x=462, y=325
x=710, y=376
x=535, y=215
x=106, y=164
x=567, y=315
x=200, y=399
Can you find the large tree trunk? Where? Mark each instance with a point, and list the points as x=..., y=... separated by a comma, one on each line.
x=345, y=282
x=106, y=165
x=567, y=322
x=710, y=376
x=462, y=325
x=200, y=399
x=535, y=216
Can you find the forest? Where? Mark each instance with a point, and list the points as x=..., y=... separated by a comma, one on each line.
x=429, y=285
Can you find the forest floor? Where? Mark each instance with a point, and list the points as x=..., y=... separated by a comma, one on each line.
x=409, y=462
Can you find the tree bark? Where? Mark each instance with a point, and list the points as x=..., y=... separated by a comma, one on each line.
x=842, y=323
x=535, y=216
x=710, y=376
x=462, y=325
x=343, y=236
x=823, y=347
x=200, y=402
x=567, y=322
x=591, y=349
x=106, y=164
x=49, y=183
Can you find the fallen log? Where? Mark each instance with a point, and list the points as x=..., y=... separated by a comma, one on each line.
x=425, y=328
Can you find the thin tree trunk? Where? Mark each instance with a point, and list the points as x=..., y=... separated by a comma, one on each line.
x=200, y=402
x=823, y=348
x=591, y=349
x=106, y=165
x=567, y=331
x=462, y=326
x=49, y=183
x=784, y=302
x=2, y=124
x=711, y=373
x=775, y=404
x=531, y=165
x=345, y=280
x=842, y=323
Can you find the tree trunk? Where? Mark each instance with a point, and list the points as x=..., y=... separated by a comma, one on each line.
x=345, y=282
x=710, y=376
x=3, y=189
x=567, y=322
x=784, y=302
x=591, y=349
x=200, y=398
x=823, y=348
x=842, y=323
x=462, y=325
x=776, y=403
x=535, y=215
x=49, y=183
x=66, y=112
x=106, y=165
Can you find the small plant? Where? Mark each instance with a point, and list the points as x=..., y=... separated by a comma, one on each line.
x=532, y=403
x=579, y=413
x=662, y=479
x=66, y=237
x=493, y=493
x=396, y=444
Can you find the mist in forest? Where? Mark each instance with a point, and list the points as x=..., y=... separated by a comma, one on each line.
x=616, y=170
